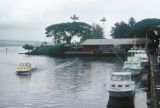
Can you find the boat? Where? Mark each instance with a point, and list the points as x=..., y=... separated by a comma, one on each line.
x=141, y=54
x=133, y=65
x=121, y=85
x=24, y=68
x=133, y=61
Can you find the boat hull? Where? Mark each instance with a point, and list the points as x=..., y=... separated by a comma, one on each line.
x=23, y=72
x=121, y=93
x=143, y=64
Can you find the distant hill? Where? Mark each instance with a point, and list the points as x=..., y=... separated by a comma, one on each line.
x=6, y=43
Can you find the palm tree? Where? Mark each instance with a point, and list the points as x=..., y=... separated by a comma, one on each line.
x=74, y=17
x=103, y=20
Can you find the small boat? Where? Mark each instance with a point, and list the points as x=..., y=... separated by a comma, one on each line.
x=121, y=85
x=24, y=68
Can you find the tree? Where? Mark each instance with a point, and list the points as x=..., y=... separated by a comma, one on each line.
x=119, y=30
x=64, y=32
x=146, y=27
x=96, y=33
x=28, y=47
x=131, y=22
x=43, y=44
x=149, y=28
x=74, y=18
x=103, y=20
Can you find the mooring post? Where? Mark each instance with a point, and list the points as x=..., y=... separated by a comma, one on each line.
x=6, y=50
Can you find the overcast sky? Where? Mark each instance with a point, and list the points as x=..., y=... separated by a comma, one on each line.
x=27, y=19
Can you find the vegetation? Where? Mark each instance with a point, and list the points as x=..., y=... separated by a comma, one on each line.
x=28, y=47
x=64, y=32
x=120, y=29
x=146, y=27
x=95, y=33
x=141, y=29
x=49, y=50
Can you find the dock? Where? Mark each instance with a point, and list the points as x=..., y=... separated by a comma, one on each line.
x=153, y=92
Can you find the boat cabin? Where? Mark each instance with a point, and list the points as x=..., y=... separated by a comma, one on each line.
x=121, y=76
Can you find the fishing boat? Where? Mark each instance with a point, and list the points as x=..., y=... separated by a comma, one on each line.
x=24, y=68
x=121, y=85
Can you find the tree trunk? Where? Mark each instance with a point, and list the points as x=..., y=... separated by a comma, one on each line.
x=68, y=39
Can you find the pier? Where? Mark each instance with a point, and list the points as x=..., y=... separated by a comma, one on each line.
x=153, y=92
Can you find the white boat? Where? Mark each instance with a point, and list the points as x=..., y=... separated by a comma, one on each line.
x=134, y=60
x=121, y=85
x=24, y=68
x=141, y=54
x=132, y=64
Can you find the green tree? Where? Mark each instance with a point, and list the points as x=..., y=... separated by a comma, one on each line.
x=146, y=27
x=74, y=18
x=64, y=32
x=131, y=22
x=28, y=47
x=119, y=30
x=96, y=33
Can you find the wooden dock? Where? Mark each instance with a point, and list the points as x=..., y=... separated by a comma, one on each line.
x=153, y=83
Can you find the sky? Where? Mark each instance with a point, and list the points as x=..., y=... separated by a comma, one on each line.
x=27, y=19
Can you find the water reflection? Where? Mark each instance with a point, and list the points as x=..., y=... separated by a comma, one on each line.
x=24, y=79
x=123, y=102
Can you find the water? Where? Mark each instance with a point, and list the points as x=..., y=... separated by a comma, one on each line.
x=60, y=82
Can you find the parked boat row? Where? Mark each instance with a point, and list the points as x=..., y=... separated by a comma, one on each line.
x=122, y=84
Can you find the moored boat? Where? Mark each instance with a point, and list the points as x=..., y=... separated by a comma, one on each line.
x=139, y=53
x=135, y=60
x=121, y=85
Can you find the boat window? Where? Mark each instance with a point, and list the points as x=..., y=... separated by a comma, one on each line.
x=127, y=78
x=135, y=63
x=117, y=78
x=126, y=85
x=130, y=54
x=28, y=64
x=121, y=78
x=21, y=64
x=113, y=85
x=119, y=85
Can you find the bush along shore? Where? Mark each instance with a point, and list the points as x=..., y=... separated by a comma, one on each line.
x=54, y=50
x=48, y=50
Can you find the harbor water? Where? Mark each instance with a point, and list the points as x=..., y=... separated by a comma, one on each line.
x=61, y=82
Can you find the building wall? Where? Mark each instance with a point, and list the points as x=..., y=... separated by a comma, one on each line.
x=89, y=48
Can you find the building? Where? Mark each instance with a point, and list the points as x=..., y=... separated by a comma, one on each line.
x=110, y=45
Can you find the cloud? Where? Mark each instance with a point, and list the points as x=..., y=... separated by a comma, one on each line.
x=31, y=17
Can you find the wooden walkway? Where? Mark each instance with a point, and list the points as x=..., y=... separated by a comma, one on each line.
x=153, y=83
